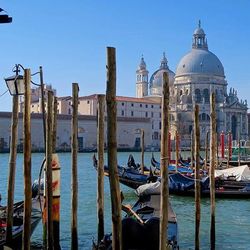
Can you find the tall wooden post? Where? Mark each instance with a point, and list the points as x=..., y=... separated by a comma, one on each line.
x=176, y=150
x=12, y=169
x=222, y=145
x=43, y=106
x=239, y=148
x=56, y=180
x=142, y=151
x=164, y=163
x=197, y=178
x=212, y=168
x=54, y=122
x=229, y=142
x=27, y=162
x=74, y=179
x=217, y=151
x=48, y=189
x=192, y=149
x=169, y=147
x=100, y=167
x=112, y=150
x=206, y=150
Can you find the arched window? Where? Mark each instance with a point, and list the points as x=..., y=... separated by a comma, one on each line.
x=206, y=95
x=197, y=96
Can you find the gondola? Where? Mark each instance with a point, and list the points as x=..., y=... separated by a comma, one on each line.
x=129, y=176
x=185, y=186
x=140, y=227
x=18, y=213
x=172, y=168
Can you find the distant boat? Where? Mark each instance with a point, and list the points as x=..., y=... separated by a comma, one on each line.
x=243, y=151
x=225, y=188
x=183, y=168
x=129, y=175
x=18, y=214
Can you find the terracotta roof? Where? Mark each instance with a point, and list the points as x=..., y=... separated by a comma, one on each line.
x=123, y=99
x=80, y=117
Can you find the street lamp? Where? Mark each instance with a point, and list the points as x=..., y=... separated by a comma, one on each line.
x=15, y=83
x=5, y=18
x=15, y=86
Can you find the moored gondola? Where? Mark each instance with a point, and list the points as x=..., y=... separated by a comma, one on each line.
x=18, y=227
x=185, y=169
x=185, y=186
x=129, y=176
x=140, y=227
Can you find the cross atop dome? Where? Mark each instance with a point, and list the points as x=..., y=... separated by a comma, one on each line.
x=199, y=38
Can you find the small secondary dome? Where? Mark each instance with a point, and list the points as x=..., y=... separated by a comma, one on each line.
x=155, y=83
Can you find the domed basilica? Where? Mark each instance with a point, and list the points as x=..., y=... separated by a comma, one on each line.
x=198, y=74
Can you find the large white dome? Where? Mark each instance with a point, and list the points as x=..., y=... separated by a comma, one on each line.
x=200, y=61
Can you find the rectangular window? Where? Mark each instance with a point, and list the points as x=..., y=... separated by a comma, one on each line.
x=122, y=103
x=132, y=113
x=146, y=114
x=152, y=114
x=140, y=105
x=122, y=112
x=146, y=106
x=160, y=114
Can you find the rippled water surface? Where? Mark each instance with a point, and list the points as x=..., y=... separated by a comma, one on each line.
x=232, y=216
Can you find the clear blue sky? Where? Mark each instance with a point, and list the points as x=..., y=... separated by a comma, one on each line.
x=69, y=39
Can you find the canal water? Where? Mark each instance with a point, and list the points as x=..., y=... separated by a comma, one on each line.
x=232, y=216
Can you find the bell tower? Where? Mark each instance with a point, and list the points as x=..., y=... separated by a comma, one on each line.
x=141, y=79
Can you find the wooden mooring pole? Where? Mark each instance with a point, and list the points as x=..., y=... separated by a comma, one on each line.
x=43, y=105
x=176, y=150
x=192, y=149
x=54, y=122
x=112, y=150
x=48, y=189
x=197, y=178
x=142, y=150
x=100, y=167
x=164, y=164
x=56, y=180
x=212, y=169
x=27, y=162
x=74, y=178
x=229, y=141
x=206, y=150
x=239, y=148
x=12, y=169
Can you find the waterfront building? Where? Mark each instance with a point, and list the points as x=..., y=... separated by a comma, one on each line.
x=198, y=74
x=128, y=132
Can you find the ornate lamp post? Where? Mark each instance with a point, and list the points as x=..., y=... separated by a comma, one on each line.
x=15, y=85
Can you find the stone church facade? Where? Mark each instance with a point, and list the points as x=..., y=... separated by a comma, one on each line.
x=198, y=74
